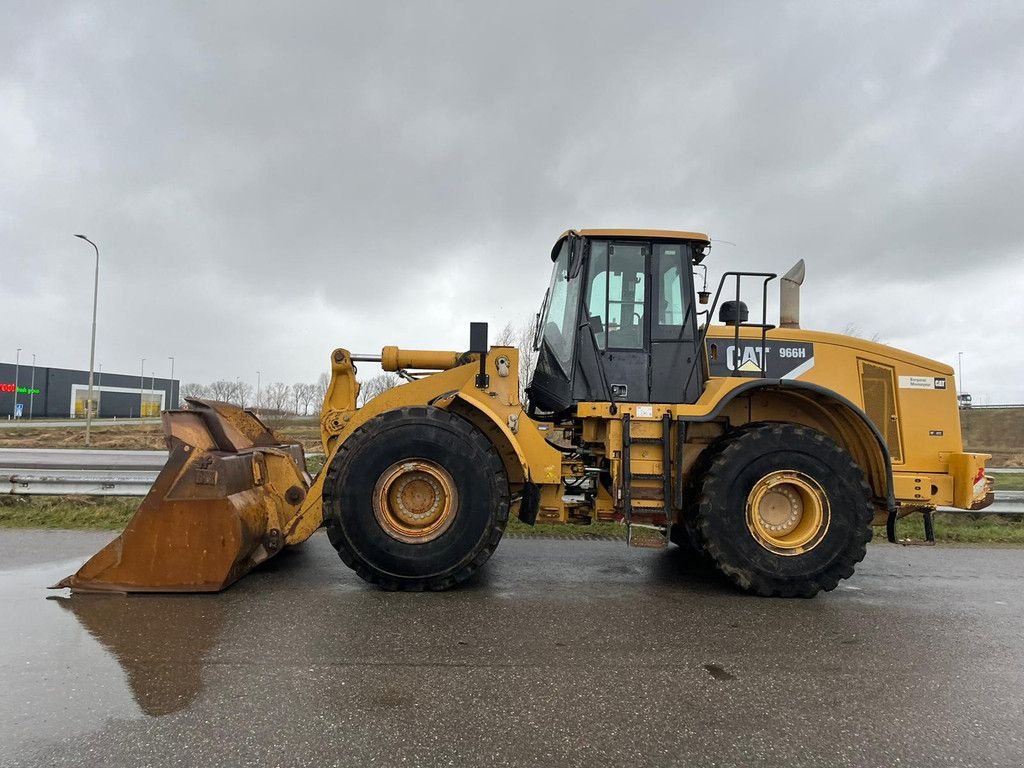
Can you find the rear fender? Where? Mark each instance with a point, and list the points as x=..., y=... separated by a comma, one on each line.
x=822, y=409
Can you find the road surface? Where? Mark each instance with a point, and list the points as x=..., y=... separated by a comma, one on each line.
x=561, y=653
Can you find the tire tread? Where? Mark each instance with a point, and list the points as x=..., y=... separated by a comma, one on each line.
x=482, y=451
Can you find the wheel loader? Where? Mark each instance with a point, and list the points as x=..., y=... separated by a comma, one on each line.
x=769, y=450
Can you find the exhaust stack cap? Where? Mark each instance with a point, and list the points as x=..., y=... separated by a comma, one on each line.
x=789, y=296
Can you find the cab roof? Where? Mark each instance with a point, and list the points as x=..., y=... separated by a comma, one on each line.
x=646, y=234
x=639, y=234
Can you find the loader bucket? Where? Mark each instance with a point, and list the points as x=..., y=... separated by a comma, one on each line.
x=221, y=505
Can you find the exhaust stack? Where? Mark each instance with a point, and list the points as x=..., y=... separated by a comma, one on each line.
x=789, y=296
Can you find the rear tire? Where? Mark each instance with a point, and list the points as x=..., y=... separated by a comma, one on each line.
x=417, y=498
x=686, y=533
x=783, y=511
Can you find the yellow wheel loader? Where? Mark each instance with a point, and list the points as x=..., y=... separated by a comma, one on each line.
x=768, y=449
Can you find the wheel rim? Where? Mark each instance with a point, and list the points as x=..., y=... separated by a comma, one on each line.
x=415, y=501
x=788, y=512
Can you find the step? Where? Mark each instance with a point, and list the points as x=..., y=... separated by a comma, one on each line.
x=647, y=536
x=645, y=458
x=653, y=543
x=647, y=493
x=641, y=430
x=649, y=516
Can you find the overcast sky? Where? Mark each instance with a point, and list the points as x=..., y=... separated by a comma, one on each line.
x=267, y=181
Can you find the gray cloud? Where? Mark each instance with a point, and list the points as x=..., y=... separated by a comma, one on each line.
x=269, y=181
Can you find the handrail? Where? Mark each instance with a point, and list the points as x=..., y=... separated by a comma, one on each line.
x=768, y=277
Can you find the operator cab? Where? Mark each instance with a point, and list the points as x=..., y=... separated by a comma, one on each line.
x=618, y=321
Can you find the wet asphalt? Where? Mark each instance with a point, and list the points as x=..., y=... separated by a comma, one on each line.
x=561, y=653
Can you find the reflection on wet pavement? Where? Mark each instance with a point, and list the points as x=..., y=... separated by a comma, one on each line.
x=56, y=679
x=137, y=655
x=159, y=640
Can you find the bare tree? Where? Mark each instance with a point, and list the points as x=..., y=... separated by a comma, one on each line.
x=276, y=397
x=242, y=393
x=320, y=388
x=375, y=385
x=195, y=390
x=305, y=394
x=852, y=329
x=506, y=336
x=520, y=336
x=222, y=390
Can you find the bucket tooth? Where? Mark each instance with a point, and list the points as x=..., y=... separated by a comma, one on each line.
x=217, y=509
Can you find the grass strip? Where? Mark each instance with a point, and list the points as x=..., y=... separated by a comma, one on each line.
x=1010, y=481
x=102, y=513
x=112, y=513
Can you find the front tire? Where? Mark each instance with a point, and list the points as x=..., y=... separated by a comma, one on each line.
x=417, y=498
x=783, y=511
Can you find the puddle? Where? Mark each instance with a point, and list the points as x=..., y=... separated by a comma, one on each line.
x=69, y=665
x=58, y=680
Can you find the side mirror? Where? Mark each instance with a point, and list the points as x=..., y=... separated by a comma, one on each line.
x=478, y=337
x=478, y=344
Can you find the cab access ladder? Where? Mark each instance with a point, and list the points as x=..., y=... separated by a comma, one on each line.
x=647, y=480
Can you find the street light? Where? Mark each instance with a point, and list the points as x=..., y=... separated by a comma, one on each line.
x=174, y=401
x=32, y=389
x=17, y=359
x=142, y=384
x=257, y=393
x=92, y=344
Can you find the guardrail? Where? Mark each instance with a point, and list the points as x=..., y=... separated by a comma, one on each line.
x=70, y=482
x=65, y=472
x=69, y=472
x=45, y=423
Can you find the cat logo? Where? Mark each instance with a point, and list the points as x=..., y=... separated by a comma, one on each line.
x=745, y=359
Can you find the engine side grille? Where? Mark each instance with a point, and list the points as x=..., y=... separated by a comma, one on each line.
x=878, y=385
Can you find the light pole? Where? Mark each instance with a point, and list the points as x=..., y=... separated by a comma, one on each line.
x=32, y=388
x=960, y=374
x=152, y=384
x=173, y=402
x=99, y=392
x=17, y=359
x=142, y=384
x=257, y=393
x=92, y=344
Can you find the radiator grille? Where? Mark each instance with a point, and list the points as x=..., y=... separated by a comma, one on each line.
x=878, y=384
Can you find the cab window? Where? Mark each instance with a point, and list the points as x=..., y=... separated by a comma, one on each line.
x=670, y=301
x=617, y=294
x=557, y=327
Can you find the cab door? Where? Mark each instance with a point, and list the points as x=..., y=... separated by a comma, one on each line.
x=675, y=373
x=616, y=300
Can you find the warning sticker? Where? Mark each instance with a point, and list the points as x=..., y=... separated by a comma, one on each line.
x=922, y=382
